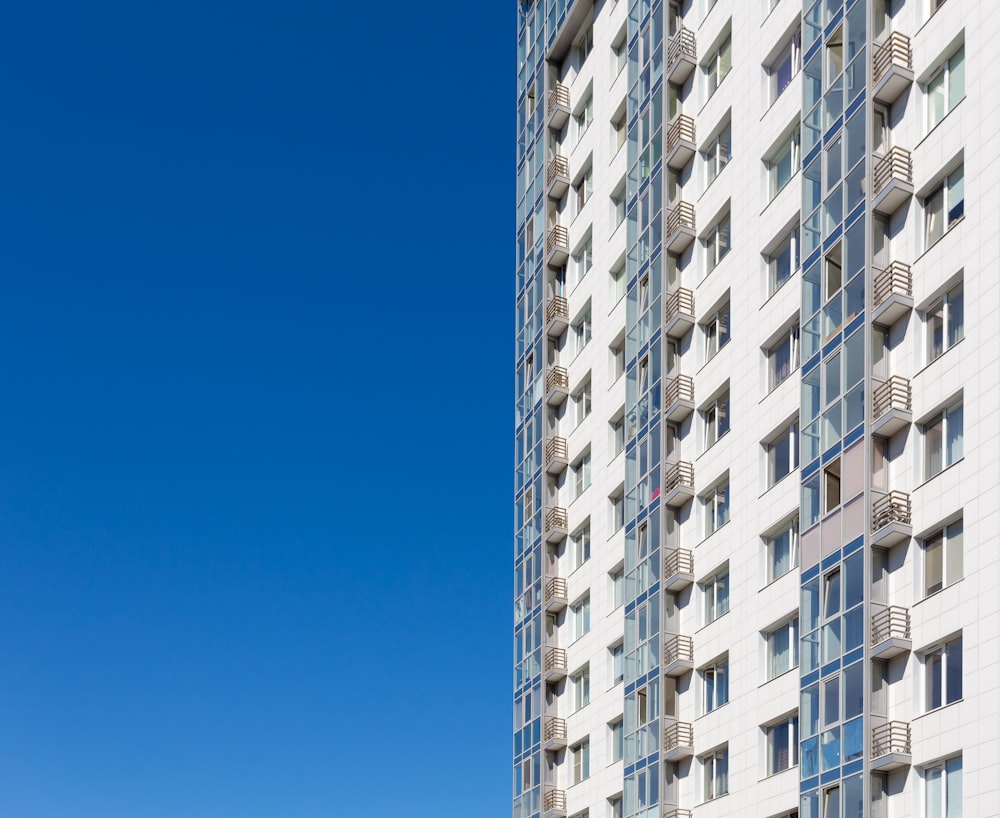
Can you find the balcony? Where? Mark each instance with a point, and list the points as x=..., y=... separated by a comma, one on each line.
x=555, y=664
x=556, y=385
x=892, y=69
x=893, y=293
x=678, y=313
x=557, y=246
x=676, y=812
x=556, y=524
x=554, y=733
x=891, y=519
x=892, y=406
x=678, y=655
x=678, y=569
x=556, y=594
x=680, y=142
x=679, y=228
x=556, y=455
x=557, y=177
x=678, y=484
x=678, y=740
x=682, y=56
x=893, y=181
x=891, y=632
x=557, y=107
x=556, y=316
x=891, y=746
x=554, y=804
x=678, y=397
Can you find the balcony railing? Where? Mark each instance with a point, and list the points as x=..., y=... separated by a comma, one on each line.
x=558, y=166
x=679, y=388
x=558, y=98
x=891, y=737
x=678, y=648
x=678, y=312
x=895, y=165
x=678, y=561
x=556, y=450
x=895, y=51
x=678, y=474
x=556, y=518
x=554, y=731
x=557, y=237
x=556, y=377
x=892, y=622
x=556, y=315
x=680, y=141
x=677, y=812
x=893, y=507
x=682, y=54
x=895, y=393
x=680, y=216
x=556, y=594
x=894, y=279
x=677, y=734
x=555, y=660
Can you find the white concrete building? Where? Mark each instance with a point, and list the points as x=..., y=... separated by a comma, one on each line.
x=757, y=428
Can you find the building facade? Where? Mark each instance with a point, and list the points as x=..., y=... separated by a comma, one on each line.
x=757, y=481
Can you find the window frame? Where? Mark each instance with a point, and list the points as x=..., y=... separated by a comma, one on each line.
x=945, y=71
x=790, y=627
x=716, y=505
x=718, y=65
x=715, y=590
x=946, y=767
x=715, y=684
x=580, y=681
x=716, y=419
x=950, y=304
x=790, y=339
x=715, y=773
x=791, y=246
x=772, y=750
x=951, y=568
x=791, y=55
x=791, y=528
x=788, y=147
x=580, y=753
x=718, y=241
x=718, y=153
x=717, y=331
x=580, y=613
x=937, y=204
x=789, y=436
x=941, y=679
x=952, y=450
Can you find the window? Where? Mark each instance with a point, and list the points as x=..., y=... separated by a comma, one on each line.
x=581, y=475
x=784, y=67
x=586, y=44
x=617, y=663
x=945, y=323
x=616, y=739
x=782, y=745
x=580, y=546
x=581, y=761
x=716, y=416
x=619, y=54
x=617, y=587
x=942, y=440
x=718, y=153
x=782, y=648
x=715, y=679
x=618, y=436
x=618, y=132
x=583, y=260
x=616, y=511
x=936, y=4
x=945, y=89
x=783, y=262
x=717, y=243
x=942, y=553
x=718, y=66
x=831, y=486
x=716, y=508
x=582, y=332
x=581, y=617
x=617, y=212
x=783, y=357
x=783, y=454
x=716, y=331
x=583, y=117
x=783, y=164
x=950, y=195
x=943, y=789
x=584, y=188
x=580, y=683
x=581, y=403
x=943, y=674
x=618, y=282
x=716, y=592
x=617, y=352
x=783, y=550
x=715, y=767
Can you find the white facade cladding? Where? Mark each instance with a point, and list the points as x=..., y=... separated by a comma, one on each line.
x=757, y=428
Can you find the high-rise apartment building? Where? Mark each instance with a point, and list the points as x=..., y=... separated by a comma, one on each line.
x=757, y=431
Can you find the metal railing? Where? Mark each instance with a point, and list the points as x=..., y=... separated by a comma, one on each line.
x=891, y=622
x=678, y=561
x=678, y=648
x=556, y=307
x=680, y=301
x=682, y=44
x=891, y=737
x=555, y=659
x=893, y=507
x=556, y=517
x=895, y=393
x=558, y=237
x=894, y=51
x=558, y=97
x=558, y=166
x=677, y=734
x=895, y=165
x=678, y=474
x=555, y=729
x=677, y=812
x=555, y=447
x=556, y=377
x=555, y=589
x=894, y=278
x=680, y=216
x=554, y=800
x=679, y=388
x=681, y=129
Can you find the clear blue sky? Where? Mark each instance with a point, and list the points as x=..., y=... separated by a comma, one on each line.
x=256, y=332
